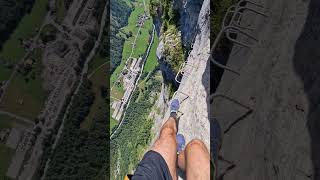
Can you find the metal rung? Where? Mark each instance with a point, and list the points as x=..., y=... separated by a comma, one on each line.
x=182, y=71
x=250, y=2
x=237, y=30
x=223, y=66
x=235, y=19
x=236, y=10
x=176, y=78
x=185, y=94
x=253, y=10
x=213, y=96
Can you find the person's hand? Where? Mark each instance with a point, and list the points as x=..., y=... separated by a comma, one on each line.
x=174, y=106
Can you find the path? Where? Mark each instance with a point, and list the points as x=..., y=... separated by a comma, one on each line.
x=17, y=117
x=94, y=71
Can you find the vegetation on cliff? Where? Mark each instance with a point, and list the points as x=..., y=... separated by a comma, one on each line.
x=170, y=34
x=173, y=49
x=223, y=49
x=218, y=11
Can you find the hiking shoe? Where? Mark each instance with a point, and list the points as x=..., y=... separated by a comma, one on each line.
x=181, y=142
x=174, y=106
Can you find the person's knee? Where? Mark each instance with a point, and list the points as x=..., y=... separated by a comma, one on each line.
x=197, y=160
x=166, y=131
x=196, y=144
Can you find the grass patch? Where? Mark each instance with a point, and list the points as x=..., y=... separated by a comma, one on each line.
x=5, y=122
x=99, y=105
x=113, y=123
x=12, y=49
x=117, y=92
x=9, y=122
x=96, y=62
x=152, y=60
x=5, y=159
x=4, y=73
x=25, y=95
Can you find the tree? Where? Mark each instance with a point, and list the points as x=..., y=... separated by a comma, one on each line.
x=129, y=34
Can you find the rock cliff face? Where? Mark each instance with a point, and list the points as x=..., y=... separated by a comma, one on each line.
x=279, y=137
x=194, y=88
x=166, y=69
x=188, y=12
x=187, y=25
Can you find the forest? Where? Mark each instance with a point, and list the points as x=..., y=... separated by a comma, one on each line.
x=11, y=12
x=120, y=12
x=80, y=154
x=134, y=135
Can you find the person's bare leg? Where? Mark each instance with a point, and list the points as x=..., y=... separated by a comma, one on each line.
x=195, y=161
x=182, y=161
x=166, y=145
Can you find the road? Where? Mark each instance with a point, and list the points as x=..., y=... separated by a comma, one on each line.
x=17, y=117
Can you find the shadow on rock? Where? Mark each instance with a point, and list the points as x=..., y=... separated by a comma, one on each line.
x=307, y=66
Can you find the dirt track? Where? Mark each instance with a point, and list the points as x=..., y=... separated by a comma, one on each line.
x=279, y=82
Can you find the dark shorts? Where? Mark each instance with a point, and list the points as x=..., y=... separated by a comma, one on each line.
x=152, y=166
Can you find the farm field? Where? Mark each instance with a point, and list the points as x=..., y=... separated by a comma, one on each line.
x=96, y=62
x=4, y=73
x=142, y=39
x=117, y=91
x=25, y=95
x=29, y=25
x=9, y=122
x=113, y=123
x=152, y=60
x=13, y=51
x=98, y=107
